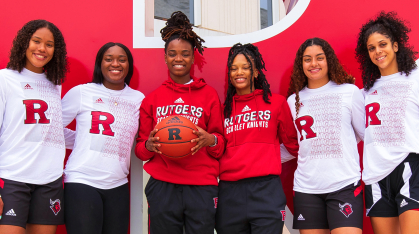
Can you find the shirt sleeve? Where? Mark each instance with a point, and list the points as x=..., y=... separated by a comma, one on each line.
x=215, y=126
x=71, y=104
x=146, y=125
x=285, y=155
x=286, y=129
x=3, y=99
x=70, y=138
x=358, y=114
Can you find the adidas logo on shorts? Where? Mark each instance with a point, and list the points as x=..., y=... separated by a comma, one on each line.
x=300, y=217
x=11, y=212
x=403, y=203
x=246, y=108
x=179, y=100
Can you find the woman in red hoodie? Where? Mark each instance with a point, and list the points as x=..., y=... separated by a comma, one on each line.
x=183, y=192
x=251, y=198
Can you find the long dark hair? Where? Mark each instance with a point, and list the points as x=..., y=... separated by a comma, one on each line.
x=394, y=28
x=254, y=58
x=179, y=27
x=56, y=69
x=97, y=73
x=335, y=70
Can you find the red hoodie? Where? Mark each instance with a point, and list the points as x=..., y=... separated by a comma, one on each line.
x=254, y=132
x=199, y=103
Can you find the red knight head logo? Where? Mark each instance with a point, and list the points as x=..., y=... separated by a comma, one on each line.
x=346, y=209
x=55, y=206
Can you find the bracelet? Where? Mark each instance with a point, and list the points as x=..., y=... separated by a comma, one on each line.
x=215, y=141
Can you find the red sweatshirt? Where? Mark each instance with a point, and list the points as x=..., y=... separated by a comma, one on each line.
x=199, y=103
x=254, y=132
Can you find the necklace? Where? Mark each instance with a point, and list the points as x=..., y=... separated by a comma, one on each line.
x=117, y=98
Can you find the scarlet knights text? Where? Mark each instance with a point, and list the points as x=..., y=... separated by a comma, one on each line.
x=254, y=119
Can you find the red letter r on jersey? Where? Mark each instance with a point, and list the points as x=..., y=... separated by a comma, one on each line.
x=309, y=121
x=371, y=111
x=105, y=123
x=30, y=111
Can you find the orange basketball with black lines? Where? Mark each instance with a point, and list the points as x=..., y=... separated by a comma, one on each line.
x=175, y=135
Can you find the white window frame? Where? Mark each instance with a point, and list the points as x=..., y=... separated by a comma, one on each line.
x=141, y=41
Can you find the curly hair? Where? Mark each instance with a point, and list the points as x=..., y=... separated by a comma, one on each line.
x=97, y=72
x=179, y=27
x=394, y=28
x=335, y=71
x=254, y=58
x=56, y=69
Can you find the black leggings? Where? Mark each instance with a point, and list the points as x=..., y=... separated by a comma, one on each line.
x=90, y=210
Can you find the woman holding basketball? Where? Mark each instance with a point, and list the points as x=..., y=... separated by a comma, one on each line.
x=391, y=160
x=183, y=192
x=107, y=112
x=32, y=147
x=251, y=198
x=328, y=112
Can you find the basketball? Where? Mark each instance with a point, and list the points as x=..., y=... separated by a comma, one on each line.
x=175, y=135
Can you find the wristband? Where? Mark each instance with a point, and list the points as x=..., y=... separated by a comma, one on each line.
x=215, y=141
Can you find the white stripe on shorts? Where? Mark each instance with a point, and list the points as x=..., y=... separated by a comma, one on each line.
x=407, y=173
x=376, y=195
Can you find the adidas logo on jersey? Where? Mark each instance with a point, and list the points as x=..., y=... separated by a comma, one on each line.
x=246, y=108
x=403, y=203
x=11, y=212
x=300, y=217
x=374, y=93
x=179, y=100
x=99, y=100
x=301, y=104
x=27, y=86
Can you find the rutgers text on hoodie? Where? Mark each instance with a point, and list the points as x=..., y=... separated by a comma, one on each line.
x=198, y=102
x=253, y=133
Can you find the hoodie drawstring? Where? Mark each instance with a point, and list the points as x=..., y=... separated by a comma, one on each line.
x=257, y=109
x=234, y=120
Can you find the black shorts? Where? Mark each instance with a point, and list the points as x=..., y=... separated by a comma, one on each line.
x=30, y=203
x=172, y=207
x=396, y=193
x=92, y=210
x=342, y=208
x=253, y=205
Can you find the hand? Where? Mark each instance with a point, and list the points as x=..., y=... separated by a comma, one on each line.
x=151, y=144
x=204, y=139
x=1, y=207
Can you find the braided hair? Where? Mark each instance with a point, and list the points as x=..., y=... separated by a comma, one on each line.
x=394, y=28
x=179, y=27
x=335, y=70
x=254, y=58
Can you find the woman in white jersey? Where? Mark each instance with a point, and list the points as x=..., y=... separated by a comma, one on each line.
x=95, y=176
x=391, y=90
x=32, y=146
x=328, y=112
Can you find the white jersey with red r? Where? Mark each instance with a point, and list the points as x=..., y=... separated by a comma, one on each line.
x=32, y=146
x=330, y=123
x=392, y=124
x=107, y=122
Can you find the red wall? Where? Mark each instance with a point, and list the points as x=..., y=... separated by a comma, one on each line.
x=87, y=25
